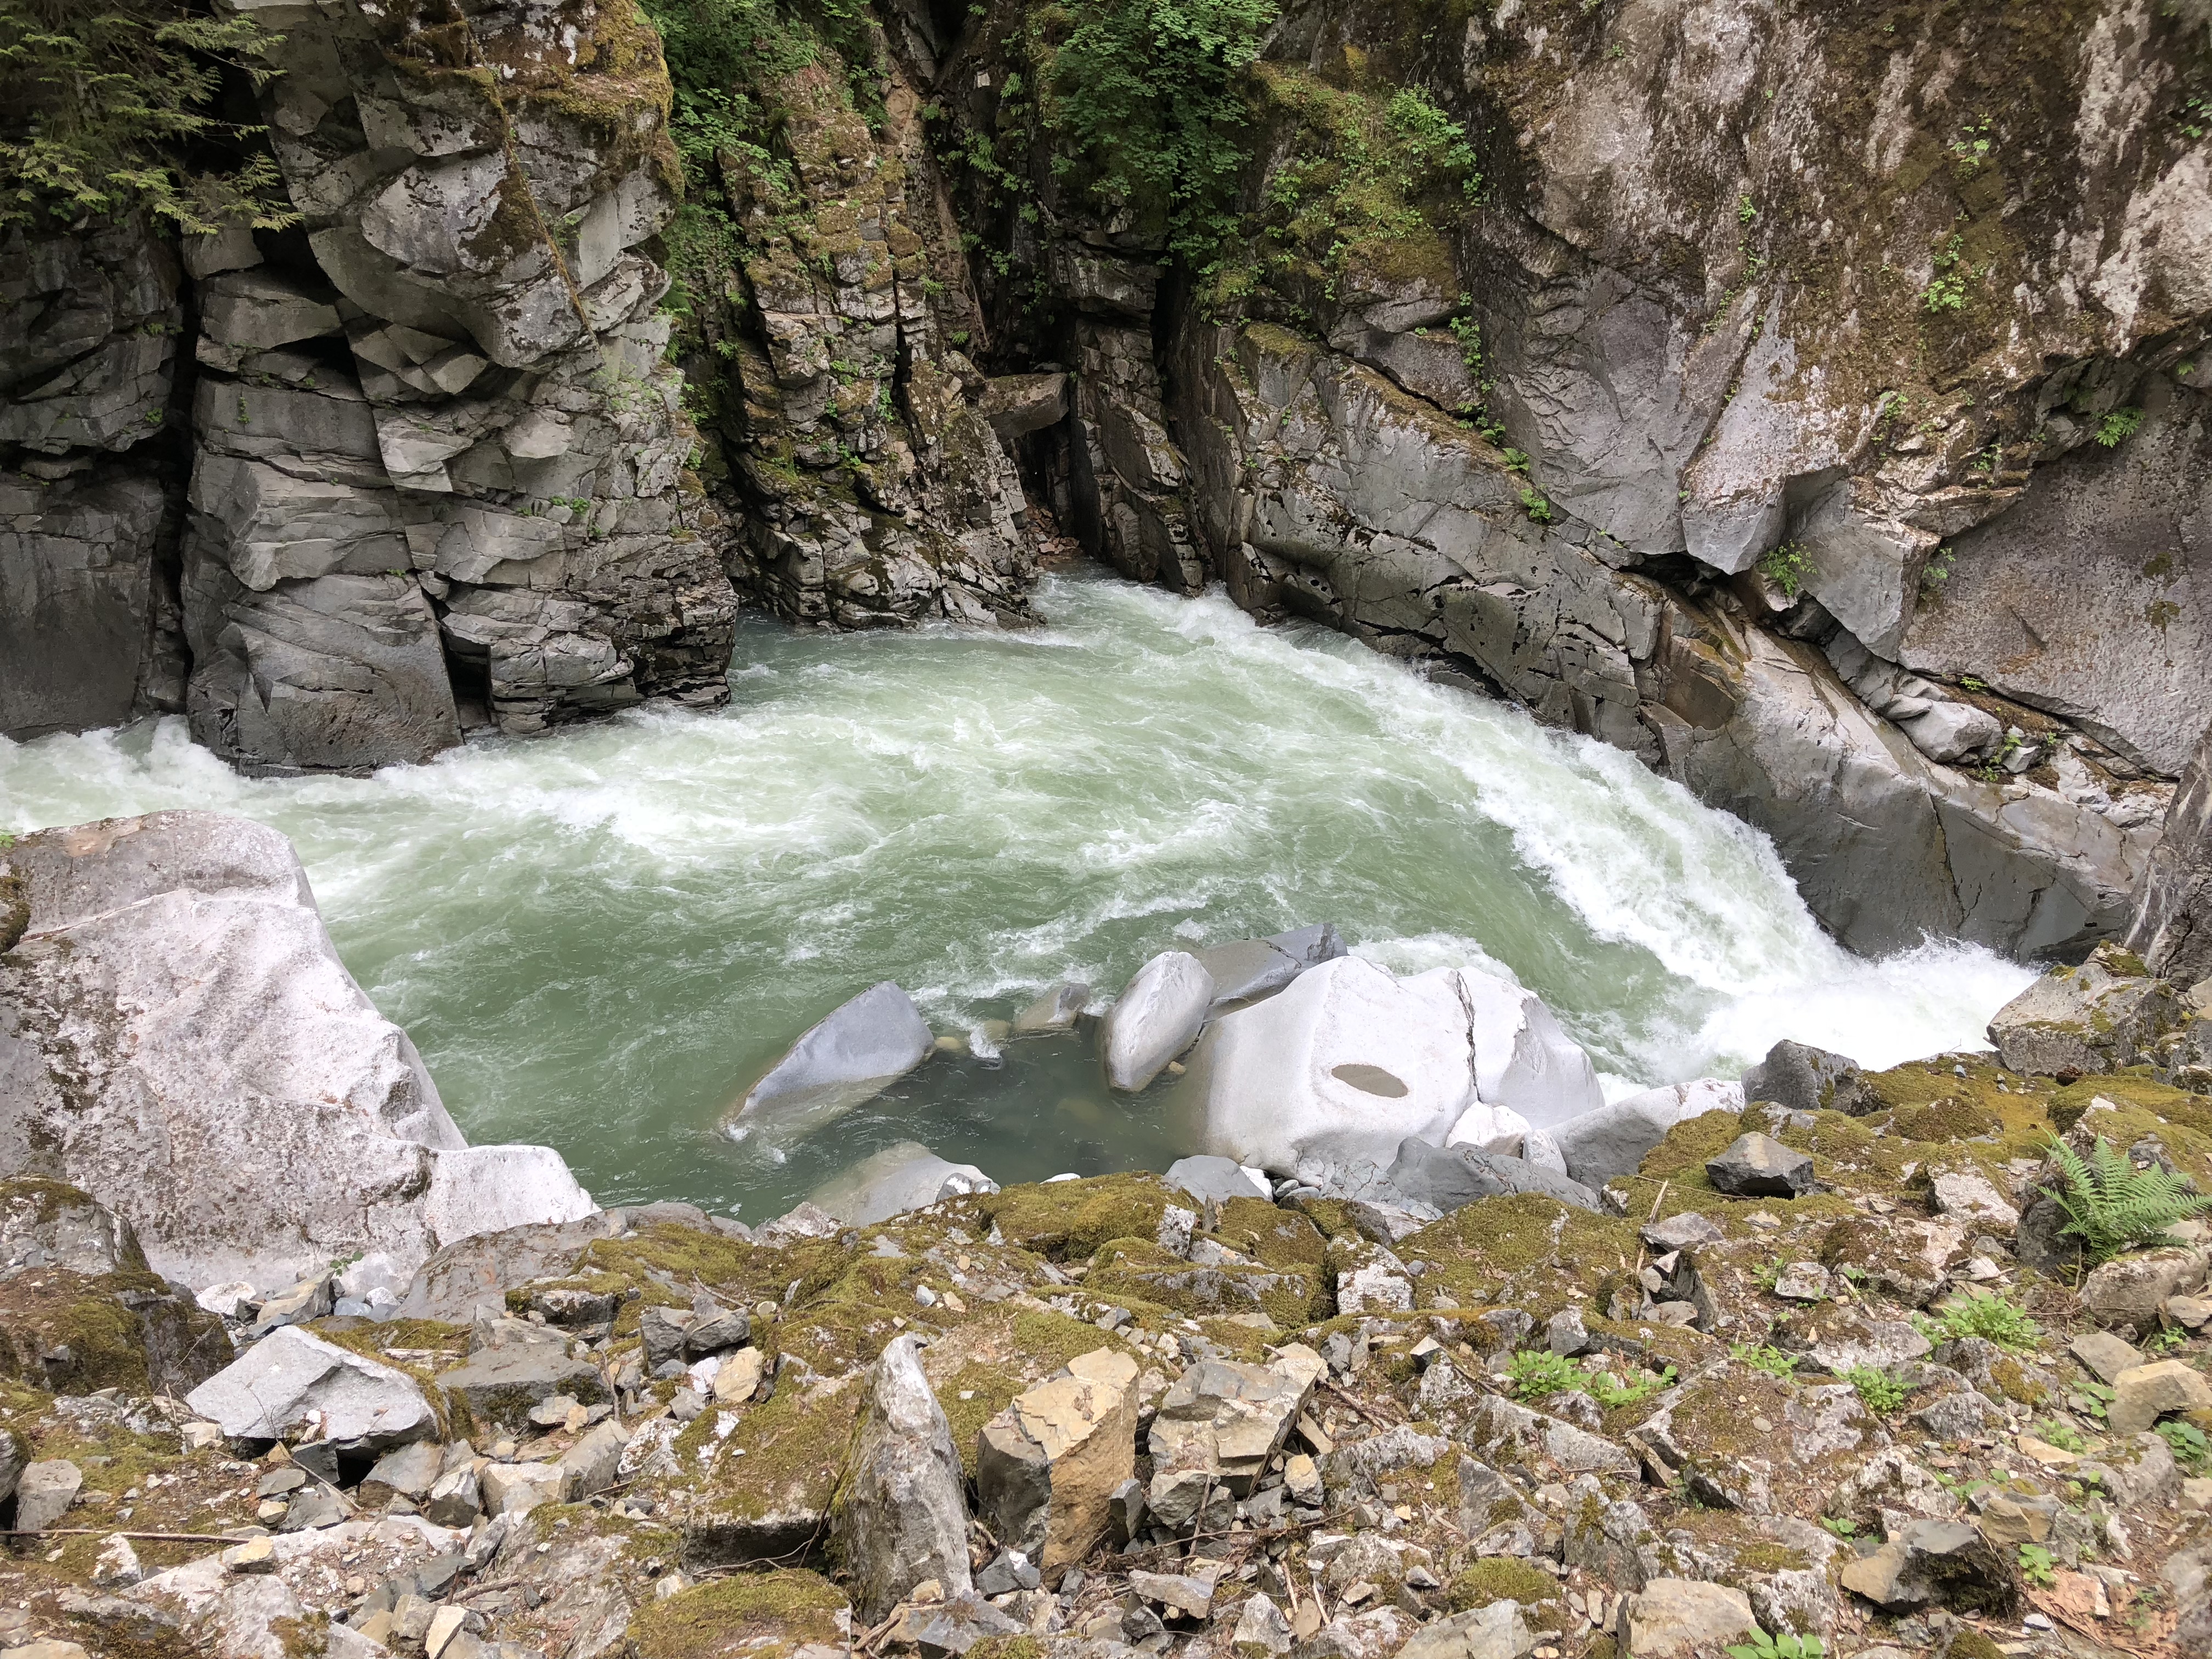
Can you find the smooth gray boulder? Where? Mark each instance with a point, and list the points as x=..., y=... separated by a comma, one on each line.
x=240, y=1104
x=1223, y=1178
x=1808, y=1079
x=847, y=1058
x=1759, y=1166
x=271, y=1389
x=1057, y=1010
x=1952, y=732
x=902, y=1513
x=1523, y=1062
x=901, y=1177
x=1613, y=1141
x=1448, y=1177
x=45, y=1492
x=1248, y=968
x=1156, y=1016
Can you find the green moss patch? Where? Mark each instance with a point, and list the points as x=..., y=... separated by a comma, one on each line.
x=761, y=1615
x=1501, y=1578
x=1068, y=1220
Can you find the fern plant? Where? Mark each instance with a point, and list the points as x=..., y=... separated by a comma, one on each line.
x=2111, y=1205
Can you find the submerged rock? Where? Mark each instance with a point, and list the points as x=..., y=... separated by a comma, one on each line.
x=1248, y=968
x=846, y=1059
x=902, y=1177
x=1155, y=1018
x=1057, y=1010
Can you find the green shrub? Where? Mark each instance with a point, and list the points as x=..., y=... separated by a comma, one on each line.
x=1150, y=93
x=2116, y=428
x=1787, y=1645
x=1538, y=1373
x=2111, y=1205
x=2191, y=1445
x=1881, y=1393
x=1989, y=1317
x=1764, y=1356
x=2035, y=1565
x=1787, y=567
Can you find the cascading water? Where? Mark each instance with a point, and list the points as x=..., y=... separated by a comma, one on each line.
x=599, y=938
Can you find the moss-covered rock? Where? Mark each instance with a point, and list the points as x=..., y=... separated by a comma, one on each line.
x=767, y=1615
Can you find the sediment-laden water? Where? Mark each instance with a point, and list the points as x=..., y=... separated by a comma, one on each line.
x=599, y=938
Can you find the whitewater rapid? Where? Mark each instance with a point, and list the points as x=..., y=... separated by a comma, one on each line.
x=598, y=938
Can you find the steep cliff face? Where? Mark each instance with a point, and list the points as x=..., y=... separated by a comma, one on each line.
x=1809, y=402
x=436, y=470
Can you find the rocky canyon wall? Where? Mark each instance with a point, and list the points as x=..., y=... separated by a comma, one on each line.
x=1812, y=403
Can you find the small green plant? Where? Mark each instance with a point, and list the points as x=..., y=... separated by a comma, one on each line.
x=1973, y=146
x=1989, y=1317
x=1787, y=567
x=1936, y=571
x=1879, y=1392
x=2111, y=1205
x=1842, y=1526
x=1746, y=211
x=1787, y=1645
x=2116, y=428
x=2064, y=1435
x=1534, y=504
x=1764, y=1356
x=2035, y=1566
x=2166, y=1341
x=2096, y=1399
x=2196, y=117
x=2191, y=1445
x=1537, y=1372
x=1947, y=290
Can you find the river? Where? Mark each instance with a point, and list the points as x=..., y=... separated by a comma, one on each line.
x=599, y=938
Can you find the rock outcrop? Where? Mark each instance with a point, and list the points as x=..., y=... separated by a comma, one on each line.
x=179, y=1038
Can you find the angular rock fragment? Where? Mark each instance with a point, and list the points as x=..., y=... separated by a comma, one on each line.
x=501, y=1385
x=1759, y=1166
x=2107, y=1013
x=1675, y=1618
x=1944, y=1563
x=1047, y=1466
x=1612, y=1141
x=289, y=1375
x=1804, y=1078
x=902, y=1515
x=2142, y=1395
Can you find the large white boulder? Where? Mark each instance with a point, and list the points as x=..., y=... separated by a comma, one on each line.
x=289, y=1375
x=1340, y=1066
x=1155, y=1018
x=179, y=1038
x=1522, y=1060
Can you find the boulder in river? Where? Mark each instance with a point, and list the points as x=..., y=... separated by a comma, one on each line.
x=239, y=1100
x=847, y=1058
x=1057, y=1010
x=1248, y=968
x=1523, y=1059
x=901, y=1177
x=1155, y=1018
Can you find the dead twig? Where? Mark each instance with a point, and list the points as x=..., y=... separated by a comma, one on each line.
x=136, y=1537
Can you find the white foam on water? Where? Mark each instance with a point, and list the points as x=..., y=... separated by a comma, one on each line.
x=600, y=937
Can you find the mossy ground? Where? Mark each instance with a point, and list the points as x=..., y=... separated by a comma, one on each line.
x=767, y=1614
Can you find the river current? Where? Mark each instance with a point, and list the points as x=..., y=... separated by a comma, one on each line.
x=599, y=938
